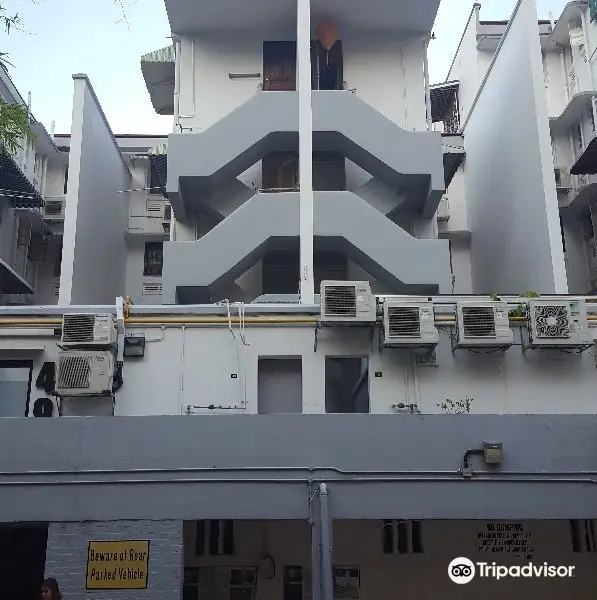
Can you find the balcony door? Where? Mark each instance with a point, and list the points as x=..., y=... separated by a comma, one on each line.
x=279, y=66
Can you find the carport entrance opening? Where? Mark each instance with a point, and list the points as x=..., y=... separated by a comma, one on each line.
x=22, y=560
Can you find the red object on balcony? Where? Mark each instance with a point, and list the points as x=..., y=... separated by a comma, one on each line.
x=327, y=34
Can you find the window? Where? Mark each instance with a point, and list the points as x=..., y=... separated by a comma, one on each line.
x=155, y=186
x=582, y=535
x=346, y=583
x=153, y=261
x=402, y=537
x=65, y=179
x=293, y=583
x=15, y=388
x=346, y=385
x=593, y=9
x=243, y=583
x=215, y=538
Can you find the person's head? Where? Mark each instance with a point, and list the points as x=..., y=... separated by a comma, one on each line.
x=50, y=590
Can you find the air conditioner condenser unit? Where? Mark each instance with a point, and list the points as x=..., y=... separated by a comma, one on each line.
x=483, y=325
x=409, y=324
x=84, y=373
x=347, y=302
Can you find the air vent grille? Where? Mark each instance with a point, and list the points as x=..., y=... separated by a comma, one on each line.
x=73, y=372
x=152, y=289
x=478, y=321
x=404, y=321
x=552, y=322
x=340, y=301
x=53, y=208
x=78, y=328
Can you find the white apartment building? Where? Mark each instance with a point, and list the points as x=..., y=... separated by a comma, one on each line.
x=322, y=399
x=561, y=82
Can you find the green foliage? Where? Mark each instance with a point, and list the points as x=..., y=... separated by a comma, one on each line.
x=520, y=310
x=14, y=126
x=460, y=407
x=494, y=296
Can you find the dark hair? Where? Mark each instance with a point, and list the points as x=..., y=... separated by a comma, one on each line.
x=52, y=585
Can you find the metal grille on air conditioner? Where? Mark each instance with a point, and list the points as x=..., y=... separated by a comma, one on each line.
x=347, y=301
x=74, y=372
x=484, y=324
x=478, y=321
x=88, y=329
x=554, y=323
x=84, y=373
x=409, y=324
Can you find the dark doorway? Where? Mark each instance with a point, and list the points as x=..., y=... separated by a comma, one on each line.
x=22, y=560
x=280, y=272
x=280, y=172
x=327, y=72
x=346, y=385
x=279, y=66
x=329, y=172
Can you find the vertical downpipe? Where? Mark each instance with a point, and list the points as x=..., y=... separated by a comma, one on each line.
x=427, y=86
x=176, y=115
x=305, y=117
x=315, y=545
x=327, y=577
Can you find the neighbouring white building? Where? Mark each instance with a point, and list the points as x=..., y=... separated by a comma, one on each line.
x=263, y=318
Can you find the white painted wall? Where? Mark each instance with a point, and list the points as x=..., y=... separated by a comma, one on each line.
x=358, y=544
x=465, y=67
x=44, y=291
x=387, y=73
x=512, y=201
x=540, y=382
x=96, y=214
x=556, y=82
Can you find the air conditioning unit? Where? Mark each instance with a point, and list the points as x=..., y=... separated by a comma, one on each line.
x=54, y=209
x=563, y=179
x=558, y=324
x=409, y=324
x=483, y=325
x=80, y=330
x=156, y=209
x=84, y=373
x=347, y=302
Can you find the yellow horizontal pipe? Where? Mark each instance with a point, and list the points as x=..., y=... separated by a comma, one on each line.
x=208, y=320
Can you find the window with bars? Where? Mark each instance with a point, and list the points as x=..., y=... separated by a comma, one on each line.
x=402, y=537
x=153, y=260
x=214, y=537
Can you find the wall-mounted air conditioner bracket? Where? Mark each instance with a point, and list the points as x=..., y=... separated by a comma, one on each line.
x=577, y=350
x=373, y=327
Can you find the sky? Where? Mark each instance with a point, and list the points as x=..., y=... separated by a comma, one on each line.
x=62, y=37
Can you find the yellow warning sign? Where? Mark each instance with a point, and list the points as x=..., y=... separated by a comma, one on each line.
x=117, y=565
